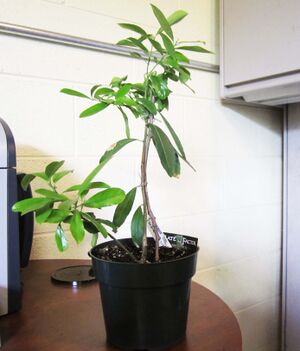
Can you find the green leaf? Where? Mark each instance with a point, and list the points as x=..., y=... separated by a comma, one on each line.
x=157, y=46
x=103, y=91
x=137, y=227
x=53, y=167
x=123, y=90
x=73, y=92
x=126, y=101
x=135, y=55
x=93, y=109
x=76, y=227
x=124, y=208
x=94, y=239
x=59, y=175
x=166, y=152
x=26, y=180
x=41, y=175
x=148, y=104
x=94, y=88
x=96, y=223
x=133, y=27
x=174, y=136
x=195, y=48
x=57, y=216
x=93, y=185
x=138, y=44
x=127, y=130
x=160, y=86
x=108, y=197
x=181, y=58
x=61, y=240
x=176, y=17
x=184, y=74
x=30, y=205
x=51, y=195
x=43, y=213
x=168, y=44
x=165, y=26
x=116, y=81
x=110, y=152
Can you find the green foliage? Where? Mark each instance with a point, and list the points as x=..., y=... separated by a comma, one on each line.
x=124, y=208
x=137, y=227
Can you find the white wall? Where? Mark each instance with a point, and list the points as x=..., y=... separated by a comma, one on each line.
x=232, y=203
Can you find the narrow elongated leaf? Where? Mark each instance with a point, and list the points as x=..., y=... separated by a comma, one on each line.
x=180, y=57
x=51, y=195
x=157, y=46
x=124, y=208
x=43, y=213
x=74, y=93
x=123, y=90
x=53, y=167
x=125, y=118
x=109, y=153
x=168, y=44
x=174, y=136
x=76, y=227
x=93, y=185
x=165, y=26
x=138, y=44
x=59, y=175
x=94, y=239
x=126, y=42
x=176, y=17
x=133, y=27
x=166, y=152
x=96, y=224
x=137, y=227
x=41, y=175
x=30, y=205
x=103, y=91
x=126, y=101
x=148, y=104
x=108, y=197
x=195, y=48
x=93, y=109
x=60, y=239
x=26, y=180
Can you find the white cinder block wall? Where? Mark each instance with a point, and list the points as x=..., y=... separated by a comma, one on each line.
x=232, y=203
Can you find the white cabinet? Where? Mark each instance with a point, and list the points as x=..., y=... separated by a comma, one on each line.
x=260, y=50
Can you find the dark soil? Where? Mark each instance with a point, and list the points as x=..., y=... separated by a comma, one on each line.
x=112, y=252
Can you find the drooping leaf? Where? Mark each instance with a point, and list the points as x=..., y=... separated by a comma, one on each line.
x=165, y=26
x=59, y=175
x=108, y=197
x=94, y=239
x=138, y=44
x=166, y=152
x=137, y=227
x=124, y=208
x=157, y=45
x=73, y=93
x=76, y=227
x=148, y=104
x=168, y=44
x=93, y=109
x=60, y=239
x=176, y=17
x=174, y=136
x=113, y=149
x=96, y=224
x=180, y=57
x=125, y=118
x=53, y=167
x=133, y=27
x=30, y=205
x=195, y=48
x=26, y=180
x=51, y=195
x=43, y=213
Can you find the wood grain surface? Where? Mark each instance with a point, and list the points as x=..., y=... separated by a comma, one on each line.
x=58, y=317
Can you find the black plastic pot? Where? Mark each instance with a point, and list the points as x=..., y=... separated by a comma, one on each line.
x=145, y=306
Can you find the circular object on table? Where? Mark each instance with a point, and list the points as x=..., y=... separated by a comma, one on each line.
x=74, y=275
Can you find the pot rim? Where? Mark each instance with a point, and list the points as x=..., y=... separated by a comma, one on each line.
x=91, y=255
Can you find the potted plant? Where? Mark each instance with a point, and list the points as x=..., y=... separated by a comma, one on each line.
x=144, y=281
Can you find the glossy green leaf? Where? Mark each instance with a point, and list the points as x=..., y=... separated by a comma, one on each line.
x=165, y=26
x=124, y=208
x=43, y=213
x=76, y=227
x=174, y=136
x=108, y=197
x=103, y=91
x=124, y=89
x=176, y=17
x=138, y=44
x=125, y=118
x=41, y=175
x=26, y=180
x=96, y=223
x=195, y=48
x=137, y=227
x=180, y=57
x=59, y=175
x=30, y=205
x=73, y=93
x=157, y=46
x=93, y=185
x=125, y=101
x=60, y=239
x=116, y=81
x=166, y=152
x=94, y=239
x=65, y=206
x=53, y=167
x=168, y=44
x=94, y=109
x=51, y=195
x=57, y=216
x=133, y=27
x=109, y=153
x=160, y=87
x=149, y=105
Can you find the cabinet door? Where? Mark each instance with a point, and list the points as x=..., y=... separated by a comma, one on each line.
x=261, y=39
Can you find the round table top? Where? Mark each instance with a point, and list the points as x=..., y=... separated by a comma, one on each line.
x=59, y=317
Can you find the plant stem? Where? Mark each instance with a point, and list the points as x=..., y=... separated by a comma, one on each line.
x=123, y=247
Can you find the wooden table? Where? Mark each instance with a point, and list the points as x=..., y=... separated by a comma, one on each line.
x=61, y=318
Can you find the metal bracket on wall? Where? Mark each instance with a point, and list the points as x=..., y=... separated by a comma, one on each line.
x=63, y=39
